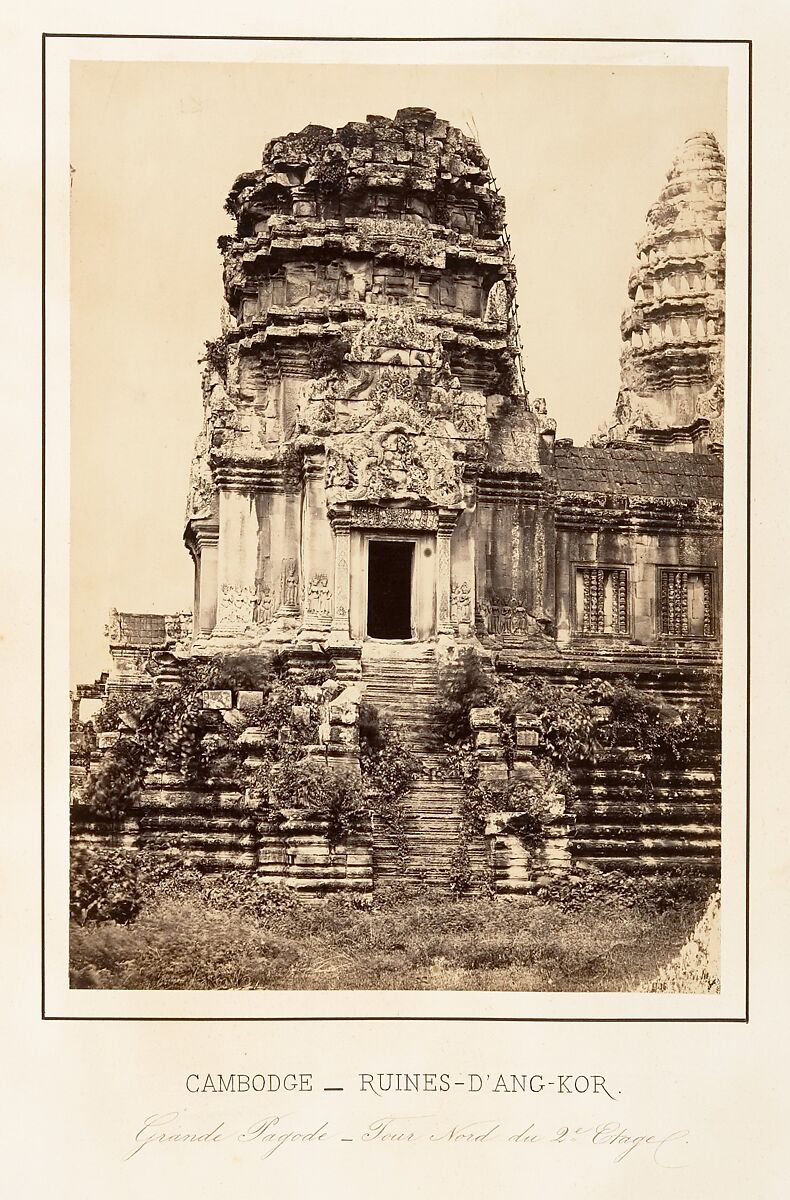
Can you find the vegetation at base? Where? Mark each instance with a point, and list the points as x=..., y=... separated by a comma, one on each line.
x=233, y=930
x=169, y=730
x=388, y=771
x=464, y=685
x=335, y=795
x=575, y=727
x=697, y=967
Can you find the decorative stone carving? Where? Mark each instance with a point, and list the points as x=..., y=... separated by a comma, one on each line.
x=399, y=330
x=236, y=605
x=112, y=630
x=201, y=486
x=263, y=610
x=289, y=583
x=497, y=305
x=461, y=603
x=389, y=517
x=178, y=629
x=506, y=619
x=393, y=460
x=319, y=597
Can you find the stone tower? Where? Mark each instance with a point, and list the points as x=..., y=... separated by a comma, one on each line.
x=364, y=382
x=672, y=375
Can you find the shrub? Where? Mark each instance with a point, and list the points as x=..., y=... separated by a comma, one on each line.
x=668, y=736
x=121, y=710
x=388, y=770
x=115, y=884
x=237, y=672
x=247, y=892
x=465, y=686
x=104, y=885
x=697, y=967
x=654, y=894
x=114, y=785
x=333, y=795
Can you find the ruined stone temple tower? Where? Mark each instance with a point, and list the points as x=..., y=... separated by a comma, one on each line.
x=372, y=488
x=363, y=408
x=672, y=365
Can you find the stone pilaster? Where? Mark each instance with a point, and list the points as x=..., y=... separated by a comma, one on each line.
x=318, y=559
x=462, y=593
x=341, y=525
x=447, y=519
x=237, y=560
x=563, y=587
x=290, y=585
x=203, y=542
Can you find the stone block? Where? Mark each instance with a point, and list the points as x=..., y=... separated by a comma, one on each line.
x=301, y=714
x=486, y=740
x=493, y=772
x=106, y=740
x=527, y=720
x=249, y=700
x=527, y=737
x=218, y=699
x=525, y=771
x=235, y=719
x=484, y=718
x=343, y=735
x=252, y=737
x=331, y=688
x=346, y=714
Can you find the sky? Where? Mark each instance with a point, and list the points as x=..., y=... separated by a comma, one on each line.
x=580, y=153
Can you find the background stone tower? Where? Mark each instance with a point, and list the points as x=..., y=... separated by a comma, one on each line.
x=672, y=381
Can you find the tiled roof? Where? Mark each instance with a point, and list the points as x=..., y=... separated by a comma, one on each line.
x=639, y=471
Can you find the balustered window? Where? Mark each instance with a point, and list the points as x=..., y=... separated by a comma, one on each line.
x=602, y=600
x=686, y=603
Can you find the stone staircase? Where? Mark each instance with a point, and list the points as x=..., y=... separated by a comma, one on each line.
x=405, y=688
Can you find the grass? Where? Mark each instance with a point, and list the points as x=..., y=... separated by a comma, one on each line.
x=425, y=943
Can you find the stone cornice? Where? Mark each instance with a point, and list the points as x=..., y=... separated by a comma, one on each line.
x=200, y=532
x=510, y=486
x=650, y=514
x=255, y=477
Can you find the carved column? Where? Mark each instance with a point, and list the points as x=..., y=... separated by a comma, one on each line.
x=204, y=543
x=237, y=558
x=341, y=524
x=447, y=519
x=563, y=586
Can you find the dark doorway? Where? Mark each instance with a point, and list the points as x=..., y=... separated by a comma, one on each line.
x=389, y=589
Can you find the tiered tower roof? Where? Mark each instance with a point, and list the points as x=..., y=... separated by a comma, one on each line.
x=673, y=326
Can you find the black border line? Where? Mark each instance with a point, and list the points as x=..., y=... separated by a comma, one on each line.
x=201, y=37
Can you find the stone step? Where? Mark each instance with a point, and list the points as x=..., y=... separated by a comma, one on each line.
x=675, y=816
x=680, y=847
x=645, y=863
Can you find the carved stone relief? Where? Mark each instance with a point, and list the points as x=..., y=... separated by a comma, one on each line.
x=367, y=517
x=319, y=597
x=461, y=603
x=289, y=583
x=236, y=605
